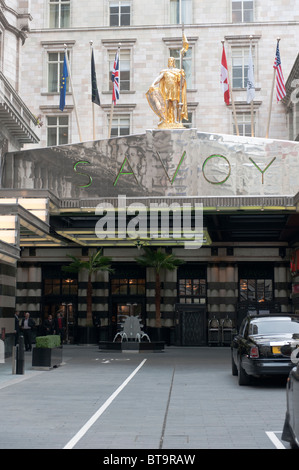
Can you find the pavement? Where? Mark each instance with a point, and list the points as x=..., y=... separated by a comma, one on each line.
x=178, y=400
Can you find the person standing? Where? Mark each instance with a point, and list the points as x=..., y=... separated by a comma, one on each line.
x=60, y=326
x=49, y=325
x=17, y=328
x=27, y=325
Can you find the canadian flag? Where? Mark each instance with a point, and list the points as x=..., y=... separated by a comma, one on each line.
x=224, y=77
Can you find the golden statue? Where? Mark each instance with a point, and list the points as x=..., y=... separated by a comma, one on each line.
x=167, y=95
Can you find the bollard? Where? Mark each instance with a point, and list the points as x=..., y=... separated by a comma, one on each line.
x=2, y=352
x=13, y=362
x=20, y=356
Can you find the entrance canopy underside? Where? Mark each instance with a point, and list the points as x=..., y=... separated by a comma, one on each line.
x=235, y=219
x=38, y=218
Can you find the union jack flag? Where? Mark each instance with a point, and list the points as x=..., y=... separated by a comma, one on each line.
x=115, y=79
x=280, y=86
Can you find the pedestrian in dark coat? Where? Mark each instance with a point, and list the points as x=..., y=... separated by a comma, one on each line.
x=60, y=326
x=27, y=325
x=49, y=326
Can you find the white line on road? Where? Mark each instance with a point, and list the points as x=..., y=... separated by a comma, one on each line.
x=272, y=436
x=101, y=410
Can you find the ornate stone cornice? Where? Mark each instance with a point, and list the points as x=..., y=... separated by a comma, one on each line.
x=22, y=19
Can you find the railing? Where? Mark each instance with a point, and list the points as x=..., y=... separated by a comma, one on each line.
x=237, y=202
x=16, y=115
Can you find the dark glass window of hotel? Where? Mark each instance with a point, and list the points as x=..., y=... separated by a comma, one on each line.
x=59, y=13
x=256, y=290
x=191, y=291
x=120, y=13
x=242, y=11
x=126, y=286
x=60, y=287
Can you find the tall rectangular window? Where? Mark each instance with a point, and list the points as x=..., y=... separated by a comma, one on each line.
x=244, y=124
x=120, y=125
x=256, y=290
x=124, y=69
x=240, y=57
x=59, y=13
x=57, y=130
x=188, y=123
x=125, y=286
x=180, y=11
x=242, y=11
x=192, y=290
x=55, y=68
x=187, y=63
x=120, y=13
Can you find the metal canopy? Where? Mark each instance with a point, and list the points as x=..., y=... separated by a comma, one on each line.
x=220, y=226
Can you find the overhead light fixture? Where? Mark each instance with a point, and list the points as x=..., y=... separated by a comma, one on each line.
x=139, y=244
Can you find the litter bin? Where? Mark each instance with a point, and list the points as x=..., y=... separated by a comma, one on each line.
x=226, y=331
x=214, y=331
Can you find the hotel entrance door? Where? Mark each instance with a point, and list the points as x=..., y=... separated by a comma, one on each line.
x=68, y=311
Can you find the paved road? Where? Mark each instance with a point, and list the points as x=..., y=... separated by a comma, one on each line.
x=182, y=398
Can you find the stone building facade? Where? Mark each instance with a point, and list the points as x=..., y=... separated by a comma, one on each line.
x=148, y=33
x=17, y=128
x=248, y=186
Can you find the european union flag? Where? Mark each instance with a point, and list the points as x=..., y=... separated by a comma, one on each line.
x=94, y=88
x=63, y=84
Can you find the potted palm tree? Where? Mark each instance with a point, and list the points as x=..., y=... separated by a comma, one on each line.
x=96, y=262
x=158, y=259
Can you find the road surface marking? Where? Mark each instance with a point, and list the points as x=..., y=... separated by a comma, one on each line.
x=272, y=436
x=101, y=410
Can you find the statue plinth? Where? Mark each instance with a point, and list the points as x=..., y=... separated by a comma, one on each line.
x=171, y=125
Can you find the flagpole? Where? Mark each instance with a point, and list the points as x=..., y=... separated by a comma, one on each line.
x=251, y=104
x=271, y=99
x=232, y=98
x=92, y=104
x=181, y=79
x=110, y=122
x=71, y=83
x=112, y=104
x=252, y=119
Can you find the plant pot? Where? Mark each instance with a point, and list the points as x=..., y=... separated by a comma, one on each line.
x=87, y=335
x=46, y=357
x=159, y=334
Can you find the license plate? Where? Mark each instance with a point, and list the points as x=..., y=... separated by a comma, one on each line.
x=276, y=349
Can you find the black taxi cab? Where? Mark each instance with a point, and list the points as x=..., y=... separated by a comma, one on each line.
x=264, y=346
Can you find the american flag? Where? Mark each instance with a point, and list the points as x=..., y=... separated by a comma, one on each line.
x=115, y=79
x=280, y=86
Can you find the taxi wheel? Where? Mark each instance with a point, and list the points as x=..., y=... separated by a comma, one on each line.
x=234, y=367
x=243, y=378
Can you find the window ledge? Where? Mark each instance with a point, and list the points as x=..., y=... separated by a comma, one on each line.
x=53, y=93
x=245, y=89
x=126, y=92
